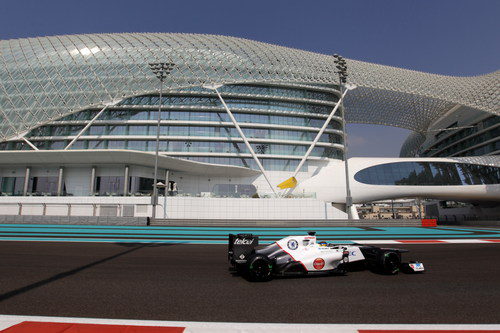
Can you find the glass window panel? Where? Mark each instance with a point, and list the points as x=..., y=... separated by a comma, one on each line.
x=138, y=130
x=428, y=174
x=56, y=145
x=116, y=144
x=43, y=185
x=117, y=130
x=138, y=145
x=97, y=130
x=11, y=185
x=99, y=144
x=110, y=185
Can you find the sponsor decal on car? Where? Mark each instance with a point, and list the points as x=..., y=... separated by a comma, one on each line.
x=318, y=263
x=244, y=241
x=418, y=266
x=292, y=244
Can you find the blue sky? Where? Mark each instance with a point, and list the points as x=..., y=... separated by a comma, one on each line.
x=451, y=37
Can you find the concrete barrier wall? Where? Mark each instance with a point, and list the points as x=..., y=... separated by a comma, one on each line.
x=289, y=223
x=176, y=207
x=482, y=223
x=142, y=221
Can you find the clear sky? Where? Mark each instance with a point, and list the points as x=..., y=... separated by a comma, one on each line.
x=452, y=37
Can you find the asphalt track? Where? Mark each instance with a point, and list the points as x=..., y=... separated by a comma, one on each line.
x=191, y=283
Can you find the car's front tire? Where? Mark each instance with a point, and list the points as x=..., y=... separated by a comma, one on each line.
x=259, y=268
x=390, y=262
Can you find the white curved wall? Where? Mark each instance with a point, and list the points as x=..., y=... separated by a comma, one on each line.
x=329, y=184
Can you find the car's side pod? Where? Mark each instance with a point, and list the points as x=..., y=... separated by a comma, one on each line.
x=240, y=247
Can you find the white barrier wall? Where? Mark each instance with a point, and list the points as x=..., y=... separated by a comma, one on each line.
x=265, y=209
x=177, y=207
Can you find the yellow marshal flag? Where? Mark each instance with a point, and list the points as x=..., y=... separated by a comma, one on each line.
x=289, y=183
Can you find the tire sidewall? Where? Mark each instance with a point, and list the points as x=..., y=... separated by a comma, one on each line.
x=255, y=260
x=390, y=262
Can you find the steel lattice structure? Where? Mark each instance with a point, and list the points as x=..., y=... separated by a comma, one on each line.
x=43, y=79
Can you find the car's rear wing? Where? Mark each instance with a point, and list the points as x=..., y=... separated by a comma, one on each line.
x=240, y=247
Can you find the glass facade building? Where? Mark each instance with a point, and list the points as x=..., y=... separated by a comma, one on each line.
x=476, y=139
x=99, y=90
x=279, y=121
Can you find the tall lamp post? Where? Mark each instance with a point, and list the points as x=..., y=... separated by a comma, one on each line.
x=163, y=186
x=160, y=70
x=342, y=71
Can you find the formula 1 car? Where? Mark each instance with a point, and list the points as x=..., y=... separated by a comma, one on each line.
x=302, y=255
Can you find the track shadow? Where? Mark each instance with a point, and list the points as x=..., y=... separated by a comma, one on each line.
x=65, y=274
x=124, y=244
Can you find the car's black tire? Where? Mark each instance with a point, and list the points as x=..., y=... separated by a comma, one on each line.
x=389, y=262
x=259, y=268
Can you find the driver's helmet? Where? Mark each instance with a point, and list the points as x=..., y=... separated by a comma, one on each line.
x=322, y=244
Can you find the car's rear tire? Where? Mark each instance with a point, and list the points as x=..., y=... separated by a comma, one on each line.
x=259, y=268
x=390, y=262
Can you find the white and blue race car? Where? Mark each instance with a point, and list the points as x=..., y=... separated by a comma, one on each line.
x=303, y=255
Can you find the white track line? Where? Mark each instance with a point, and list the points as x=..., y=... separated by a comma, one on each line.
x=424, y=241
x=375, y=241
x=7, y=321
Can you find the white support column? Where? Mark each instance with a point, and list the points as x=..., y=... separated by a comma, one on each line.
x=419, y=202
x=92, y=181
x=167, y=176
x=354, y=212
x=327, y=121
x=126, y=181
x=85, y=128
x=26, y=180
x=238, y=128
x=60, y=180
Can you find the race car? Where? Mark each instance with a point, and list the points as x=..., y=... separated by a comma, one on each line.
x=303, y=255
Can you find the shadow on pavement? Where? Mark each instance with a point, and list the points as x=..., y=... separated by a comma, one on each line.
x=63, y=275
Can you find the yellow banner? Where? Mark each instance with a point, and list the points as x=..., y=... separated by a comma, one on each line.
x=289, y=183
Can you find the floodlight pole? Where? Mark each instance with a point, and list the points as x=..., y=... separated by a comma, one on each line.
x=342, y=71
x=157, y=149
x=348, y=198
x=160, y=70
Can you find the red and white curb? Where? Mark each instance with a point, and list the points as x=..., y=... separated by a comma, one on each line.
x=427, y=241
x=29, y=324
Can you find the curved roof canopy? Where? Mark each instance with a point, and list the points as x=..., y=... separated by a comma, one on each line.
x=42, y=79
x=120, y=156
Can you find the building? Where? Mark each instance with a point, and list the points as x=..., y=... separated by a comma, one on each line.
x=79, y=121
x=394, y=209
x=462, y=131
